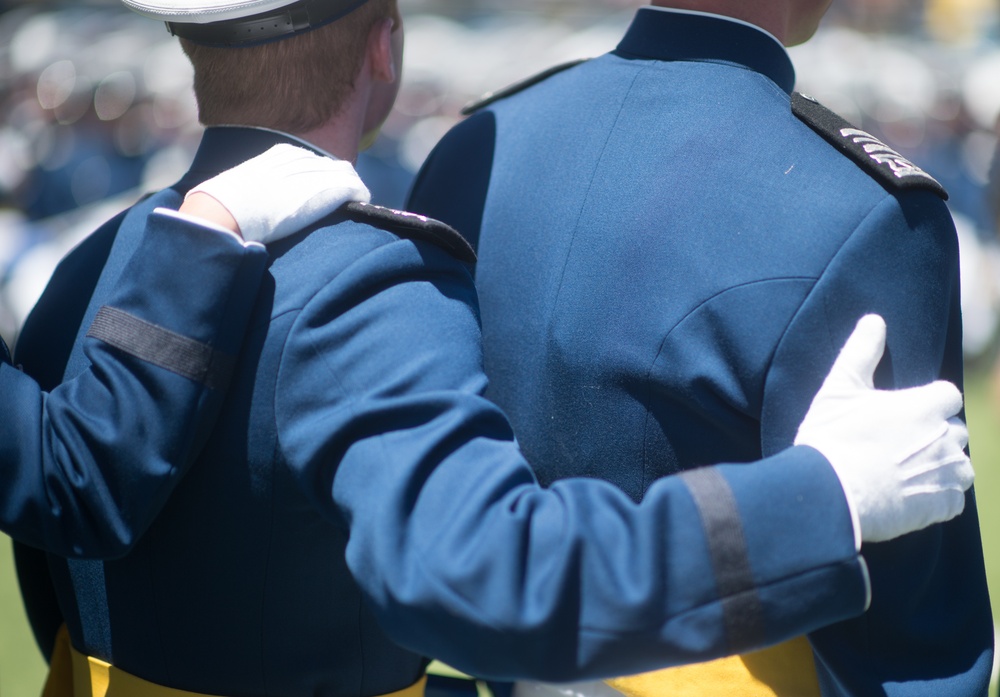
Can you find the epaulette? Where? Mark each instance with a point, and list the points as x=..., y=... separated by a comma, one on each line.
x=885, y=165
x=491, y=97
x=414, y=227
x=4, y=352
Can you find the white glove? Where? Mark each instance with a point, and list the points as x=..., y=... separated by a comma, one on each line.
x=899, y=454
x=284, y=190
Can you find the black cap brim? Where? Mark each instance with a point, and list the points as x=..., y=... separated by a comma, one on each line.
x=296, y=18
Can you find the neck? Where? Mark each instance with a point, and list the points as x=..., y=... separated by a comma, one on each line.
x=341, y=134
x=772, y=17
x=333, y=140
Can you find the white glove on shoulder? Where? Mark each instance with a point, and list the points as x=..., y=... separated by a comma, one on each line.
x=899, y=454
x=283, y=190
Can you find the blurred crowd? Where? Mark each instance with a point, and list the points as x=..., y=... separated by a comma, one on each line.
x=97, y=108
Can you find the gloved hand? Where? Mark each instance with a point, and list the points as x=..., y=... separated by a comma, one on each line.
x=283, y=190
x=898, y=454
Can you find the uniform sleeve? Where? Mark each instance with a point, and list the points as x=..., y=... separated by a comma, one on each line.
x=465, y=558
x=929, y=628
x=87, y=466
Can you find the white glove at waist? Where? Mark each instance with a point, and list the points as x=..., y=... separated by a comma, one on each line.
x=284, y=190
x=899, y=454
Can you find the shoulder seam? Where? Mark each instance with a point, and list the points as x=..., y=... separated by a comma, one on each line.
x=492, y=97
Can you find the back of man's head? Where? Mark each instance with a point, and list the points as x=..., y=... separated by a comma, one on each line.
x=293, y=82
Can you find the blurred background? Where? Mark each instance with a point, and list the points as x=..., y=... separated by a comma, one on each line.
x=96, y=109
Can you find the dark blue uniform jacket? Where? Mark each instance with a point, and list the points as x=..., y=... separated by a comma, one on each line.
x=86, y=463
x=86, y=466
x=669, y=261
x=358, y=495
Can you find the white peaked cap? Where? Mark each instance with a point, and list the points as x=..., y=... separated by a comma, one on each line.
x=242, y=22
x=204, y=11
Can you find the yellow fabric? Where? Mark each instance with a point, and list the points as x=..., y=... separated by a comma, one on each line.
x=93, y=677
x=59, y=682
x=446, y=671
x=785, y=670
x=72, y=674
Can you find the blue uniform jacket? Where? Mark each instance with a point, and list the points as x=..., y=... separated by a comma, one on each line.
x=360, y=505
x=85, y=465
x=669, y=261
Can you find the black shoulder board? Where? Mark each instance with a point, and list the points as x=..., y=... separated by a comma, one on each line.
x=491, y=97
x=885, y=165
x=414, y=227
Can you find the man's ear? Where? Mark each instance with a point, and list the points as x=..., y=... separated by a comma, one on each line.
x=380, y=52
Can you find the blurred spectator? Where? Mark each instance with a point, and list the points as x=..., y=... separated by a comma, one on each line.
x=960, y=20
x=95, y=103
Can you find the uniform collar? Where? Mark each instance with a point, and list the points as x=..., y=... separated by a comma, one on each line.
x=681, y=35
x=224, y=147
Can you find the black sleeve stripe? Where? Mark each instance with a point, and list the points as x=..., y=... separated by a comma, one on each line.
x=720, y=519
x=162, y=347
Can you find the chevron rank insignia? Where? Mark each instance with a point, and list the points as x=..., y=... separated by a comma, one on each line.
x=885, y=165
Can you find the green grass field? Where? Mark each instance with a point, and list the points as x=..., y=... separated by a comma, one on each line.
x=982, y=406
x=984, y=432
x=22, y=669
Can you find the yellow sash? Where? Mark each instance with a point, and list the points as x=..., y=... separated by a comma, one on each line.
x=785, y=670
x=72, y=674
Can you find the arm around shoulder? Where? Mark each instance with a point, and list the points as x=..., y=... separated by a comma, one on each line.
x=89, y=464
x=464, y=557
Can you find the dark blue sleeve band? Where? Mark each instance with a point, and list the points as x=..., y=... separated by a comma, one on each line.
x=720, y=519
x=161, y=347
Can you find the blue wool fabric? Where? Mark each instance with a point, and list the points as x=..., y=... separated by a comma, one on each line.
x=359, y=506
x=669, y=261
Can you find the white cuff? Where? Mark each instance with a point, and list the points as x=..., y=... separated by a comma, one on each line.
x=202, y=223
x=868, y=583
x=856, y=523
x=855, y=519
